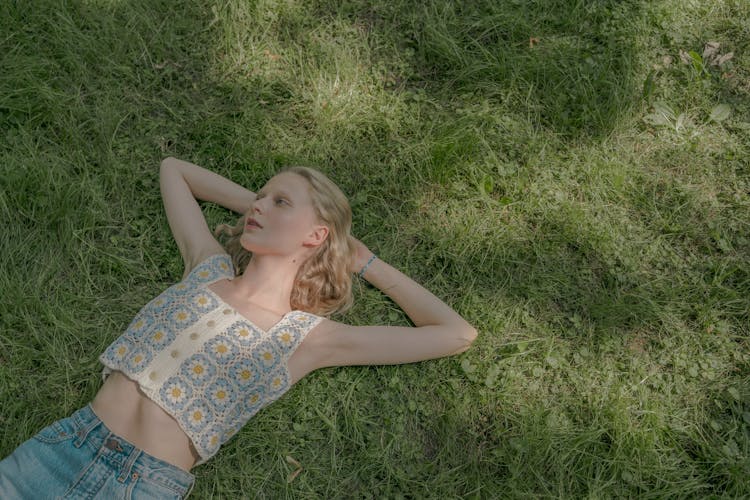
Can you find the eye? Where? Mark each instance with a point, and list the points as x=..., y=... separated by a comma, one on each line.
x=281, y=201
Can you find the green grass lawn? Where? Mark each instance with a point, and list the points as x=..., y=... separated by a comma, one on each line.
x=573, y=177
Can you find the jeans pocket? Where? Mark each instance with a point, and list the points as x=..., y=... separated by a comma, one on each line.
x=57, y=432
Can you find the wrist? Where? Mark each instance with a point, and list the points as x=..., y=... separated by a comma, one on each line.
x=362, y=271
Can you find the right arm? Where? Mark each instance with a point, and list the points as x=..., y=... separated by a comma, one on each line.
x=181, y=183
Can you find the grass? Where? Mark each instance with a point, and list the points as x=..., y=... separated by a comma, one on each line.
x=502, y=153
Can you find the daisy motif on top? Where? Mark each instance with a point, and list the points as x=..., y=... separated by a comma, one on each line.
x=210, y=270
x=198, y=369
x=249, y=403
x=224, y=267
x=197, y=415
x=287, y=338
x=159, y=337
x=253, y=401
x=303, y=319
x=158, y=304
x=139, y=358
x=203, y=302
x=140, y=324
x=221, y=348
x=118, y=351
x=176, y=393
x=211, y=440
x=228, y=433
x=265, y=355
x=244, y=373
x=178, y=290
x=243, y=334
x=181, y=317
x=278, y=382
x=221, y=393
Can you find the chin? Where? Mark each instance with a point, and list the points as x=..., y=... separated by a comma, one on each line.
x=247, y=244
x=254, y=247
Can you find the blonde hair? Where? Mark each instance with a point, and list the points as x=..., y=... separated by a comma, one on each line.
x=323, y=284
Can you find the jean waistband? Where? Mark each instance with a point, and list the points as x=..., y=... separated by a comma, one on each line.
x=128, y=459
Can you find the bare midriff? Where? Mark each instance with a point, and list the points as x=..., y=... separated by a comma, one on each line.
x=129, y=413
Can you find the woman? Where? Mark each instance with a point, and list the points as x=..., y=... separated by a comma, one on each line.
x=245, y=323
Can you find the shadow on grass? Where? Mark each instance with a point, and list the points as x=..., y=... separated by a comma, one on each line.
x=570, y=66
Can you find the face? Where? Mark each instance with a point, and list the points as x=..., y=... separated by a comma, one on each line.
x=282, y=219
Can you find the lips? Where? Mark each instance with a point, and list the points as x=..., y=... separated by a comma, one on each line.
x=250, y=222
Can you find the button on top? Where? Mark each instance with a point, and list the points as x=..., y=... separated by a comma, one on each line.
x=194, y=335
x=175, y=353
x=152, y=376
x=227, y=311
x=211, y=323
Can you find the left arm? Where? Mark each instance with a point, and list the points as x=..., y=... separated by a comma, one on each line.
x=439, y=331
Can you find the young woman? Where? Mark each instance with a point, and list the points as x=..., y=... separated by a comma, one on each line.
x=246, y=322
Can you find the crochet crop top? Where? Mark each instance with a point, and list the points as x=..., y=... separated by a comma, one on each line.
x=200, y=360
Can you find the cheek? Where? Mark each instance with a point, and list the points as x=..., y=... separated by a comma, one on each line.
x=298, y=221
x=290, y=229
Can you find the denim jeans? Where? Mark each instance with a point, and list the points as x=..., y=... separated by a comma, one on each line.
x=79, y=457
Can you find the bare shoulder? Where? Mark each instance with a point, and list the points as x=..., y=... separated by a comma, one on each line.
x=339, y=344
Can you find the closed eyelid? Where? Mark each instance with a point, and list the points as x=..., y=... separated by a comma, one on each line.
x=278, y=198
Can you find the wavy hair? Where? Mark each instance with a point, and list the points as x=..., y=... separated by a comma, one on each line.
x=323, y=284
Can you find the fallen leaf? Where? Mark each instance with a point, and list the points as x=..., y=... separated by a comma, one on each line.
x=532, y=41
x=710, y=49
x=293, y=475
x=720, y=112
x=726, y=57
x=663, y=115
x=683, y=121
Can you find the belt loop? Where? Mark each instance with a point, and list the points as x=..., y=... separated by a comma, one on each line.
x=128, y=465
x=83, y=433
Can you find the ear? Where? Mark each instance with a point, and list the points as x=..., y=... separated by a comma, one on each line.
x=316, y=237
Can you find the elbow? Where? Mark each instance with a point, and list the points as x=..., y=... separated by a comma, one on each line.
x=167, y=161
x=468, y=336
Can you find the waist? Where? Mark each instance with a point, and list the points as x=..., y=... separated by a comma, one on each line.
x=119, y=456
x=126, y=411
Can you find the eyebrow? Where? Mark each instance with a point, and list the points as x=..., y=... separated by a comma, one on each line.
x=283, y=194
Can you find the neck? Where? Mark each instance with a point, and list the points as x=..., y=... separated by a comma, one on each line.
x=267, y=281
